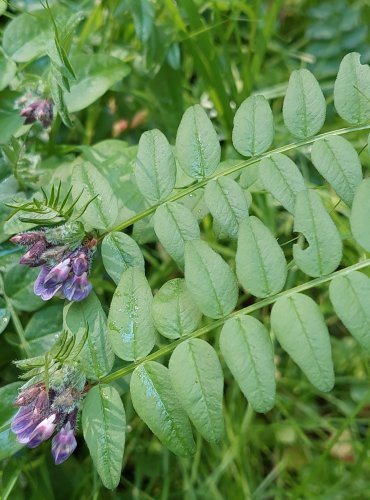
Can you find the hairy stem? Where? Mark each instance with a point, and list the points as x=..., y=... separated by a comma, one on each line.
x=246, y=310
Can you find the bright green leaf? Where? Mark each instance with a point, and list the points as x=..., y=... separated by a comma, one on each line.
x=352, y=90
x=43, y=327
x=4, y=315
x=18, y=285
x=304, y=107
x=360, y=215
x=198, y=150
x=97, y=357
x=174, y=224
x=301, y=330
x=247, y=348
x=282, y=178
x=103, y=211
x=155, y=401
x=337, y=161
x=155, y=170
x=130, y=324
x=228, y=205
x=119, y=252
x=95, y=74
x=210, y=280
x=175, y=314
x=350, y=296
x=197, y=378
x=260, y=262
x=253, y=130
x=104, y=427
x=324, y=251
x=8, y=69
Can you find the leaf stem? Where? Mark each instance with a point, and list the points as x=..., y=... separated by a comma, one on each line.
x=122, y=372
x=235, y=168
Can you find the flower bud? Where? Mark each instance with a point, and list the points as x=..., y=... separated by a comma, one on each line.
x=24, y=423
x=27, y=239
x=33, y=258
x=58, y=274
x=40, y=110
x=63, y=444
x=42, y=431
x=28, y=395
x=77, y=288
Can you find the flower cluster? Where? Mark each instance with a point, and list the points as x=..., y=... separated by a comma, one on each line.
x=44, y=411
x=65, y=262
x=40, y=110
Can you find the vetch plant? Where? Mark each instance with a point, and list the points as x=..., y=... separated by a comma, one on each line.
x=225, y=265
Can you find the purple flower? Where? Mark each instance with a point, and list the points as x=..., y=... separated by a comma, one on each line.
x=77, y=288
x=42, y=431
x=58, y=274
x=33, y=258
x=45, y=292
x=40, y=110
x=25, y=422
x=64, y=443
x=80, y=262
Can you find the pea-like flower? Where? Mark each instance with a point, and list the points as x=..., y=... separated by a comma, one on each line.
x=43, y=412
x=64, y=269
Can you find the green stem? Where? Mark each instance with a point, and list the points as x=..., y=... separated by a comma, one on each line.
x=235, y=168
x=16, y=321
x=122, y=372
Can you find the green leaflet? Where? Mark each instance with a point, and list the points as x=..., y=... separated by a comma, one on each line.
x=210, y=280
x=119, y=252
x=282, y=178
x=155, y=401
x=155, y=169
x=337, y=161
x=130, y=324
x=26, y=36
x=198, y=150
x=324, y=251
x=4, y=315
x=253, y=130
x=350, y=296
x=143, y=13
x=95, y=75
x=197, y=378
x=8, y=69
x=304, y=107
x=96, y=357
x=174, y=312
x=360, y=215
x=247, y=348
x=104, y=427
x=352, y=90
x=228, y=205
x=260, y=262
x=18, y=286
x=301, y=330
x=174, y=224
x=8, y=442
x=103, y=210
x=42, y=328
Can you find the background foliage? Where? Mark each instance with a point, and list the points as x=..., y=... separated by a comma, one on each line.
x=117, y=70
